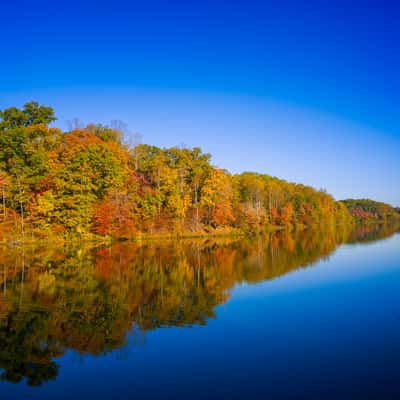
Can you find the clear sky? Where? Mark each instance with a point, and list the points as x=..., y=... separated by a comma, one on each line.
x=305, y=90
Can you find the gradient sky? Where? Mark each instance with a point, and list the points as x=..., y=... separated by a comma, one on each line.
x=308, y=91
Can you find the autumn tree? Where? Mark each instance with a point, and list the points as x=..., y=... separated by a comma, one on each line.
x=216, y=198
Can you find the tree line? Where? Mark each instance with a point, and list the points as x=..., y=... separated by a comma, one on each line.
x=87, y=181
x=367, y=210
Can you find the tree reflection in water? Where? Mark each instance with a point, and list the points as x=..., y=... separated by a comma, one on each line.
x=88, y=299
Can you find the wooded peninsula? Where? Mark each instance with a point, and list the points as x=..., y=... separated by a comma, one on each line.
x=87, y=182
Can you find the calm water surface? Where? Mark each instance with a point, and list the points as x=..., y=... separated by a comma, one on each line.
x=313, y=315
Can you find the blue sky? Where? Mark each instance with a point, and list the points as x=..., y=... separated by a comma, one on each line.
x=305, y=90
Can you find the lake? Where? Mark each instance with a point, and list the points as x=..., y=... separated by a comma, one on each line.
x=311, y=315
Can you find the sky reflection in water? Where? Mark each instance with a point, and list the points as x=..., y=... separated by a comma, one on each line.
x=315, y=315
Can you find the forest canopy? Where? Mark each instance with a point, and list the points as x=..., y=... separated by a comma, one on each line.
x=87, y=181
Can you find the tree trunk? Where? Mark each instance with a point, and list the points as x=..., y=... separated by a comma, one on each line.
x=4, y=206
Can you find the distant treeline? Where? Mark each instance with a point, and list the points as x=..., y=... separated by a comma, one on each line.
x=87, y=181
x=370, y=210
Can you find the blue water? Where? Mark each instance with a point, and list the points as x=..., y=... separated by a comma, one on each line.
x=328, y=331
